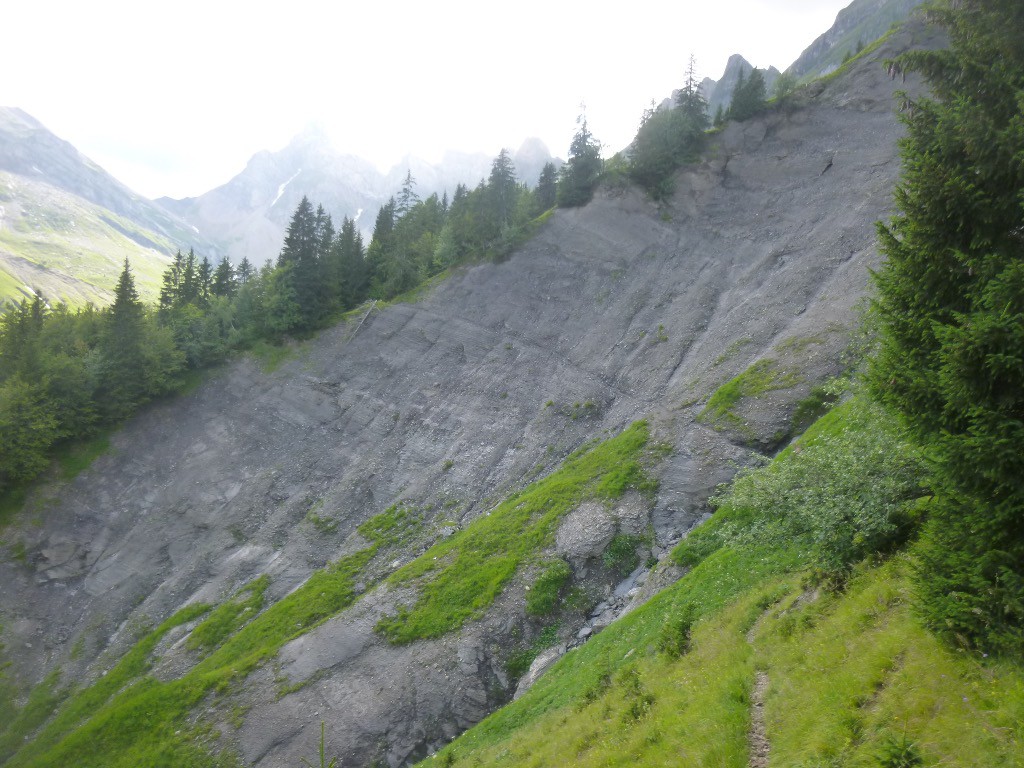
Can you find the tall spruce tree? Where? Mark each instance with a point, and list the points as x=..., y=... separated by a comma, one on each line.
x=749, y=97
x=547, y=187
x=502, y=190
x=224, y=280
x=407, y=197
x=690, y=100
x=951, y=299
x=380, y=243
x=171, y=285
x=302, y=279
x=124, y=360
x=580, y=174
x=245, y=271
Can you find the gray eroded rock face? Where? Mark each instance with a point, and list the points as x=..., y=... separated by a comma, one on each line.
x=636, y=309
x=585, y=532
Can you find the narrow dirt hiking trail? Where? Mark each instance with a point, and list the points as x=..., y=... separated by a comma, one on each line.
x=758, y=737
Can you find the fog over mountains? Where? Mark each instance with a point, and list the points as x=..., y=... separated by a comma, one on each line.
x=247, y=216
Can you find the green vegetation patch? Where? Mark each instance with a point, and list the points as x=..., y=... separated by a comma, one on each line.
x=74, y=458
x=853, y=678
x=271, y=356
x=85, y=703
x=848, y=488
x=542, y=599
x=462, y=575
x=394, y=526
x=124, y=720
x=856, y=680
x=519, y=663
x=763, y=376
x=229, y=616
x=10, y=287
x=619, y=700
x=18, y=724
x=621, y=553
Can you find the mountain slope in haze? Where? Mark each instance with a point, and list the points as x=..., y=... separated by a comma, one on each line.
x=719, y=92
x=857, y=25
x=247, y=217
x=66, y=225
x=352, y=489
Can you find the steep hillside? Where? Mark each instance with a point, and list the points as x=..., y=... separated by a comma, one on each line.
x=66, y=225
x=857, y=25
x=247, y=217
x=753, y=658
x=398, y=490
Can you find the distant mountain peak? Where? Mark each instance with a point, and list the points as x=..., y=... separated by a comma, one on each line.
x=312, y=134
x=247, y=215
x=14, y=118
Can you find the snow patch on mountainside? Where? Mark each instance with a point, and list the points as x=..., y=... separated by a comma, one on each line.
x=283, y=187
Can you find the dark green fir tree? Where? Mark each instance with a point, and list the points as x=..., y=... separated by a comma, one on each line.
x=951, y=300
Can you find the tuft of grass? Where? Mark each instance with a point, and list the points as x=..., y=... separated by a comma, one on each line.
x=732, y=350
x=621, y=553
x=74, y=458
x=270, y=356
x=462, y=575
x=322, y=523
x=226, y=618
x=542, y=599
x=763, y=376
x=394, y=526
x=518, y=663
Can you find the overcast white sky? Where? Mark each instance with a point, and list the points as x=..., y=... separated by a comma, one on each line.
x=173, y=98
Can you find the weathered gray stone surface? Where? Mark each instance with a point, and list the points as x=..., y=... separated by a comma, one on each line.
x=639, y=310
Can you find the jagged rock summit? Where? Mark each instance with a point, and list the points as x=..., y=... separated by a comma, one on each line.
x=719, y=93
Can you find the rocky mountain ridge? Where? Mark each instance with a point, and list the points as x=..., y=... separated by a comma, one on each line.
x=857, y=25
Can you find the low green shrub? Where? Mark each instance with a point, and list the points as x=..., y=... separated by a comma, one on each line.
x=542, y=599
x=621, y=554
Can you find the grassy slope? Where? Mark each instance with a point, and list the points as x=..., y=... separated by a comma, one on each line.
x=461, y=576
x=853, y=678
x=80, y=247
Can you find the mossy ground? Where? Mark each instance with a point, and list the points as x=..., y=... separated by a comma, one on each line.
x=763, y=376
